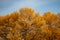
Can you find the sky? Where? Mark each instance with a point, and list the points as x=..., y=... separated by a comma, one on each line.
x=41, y=6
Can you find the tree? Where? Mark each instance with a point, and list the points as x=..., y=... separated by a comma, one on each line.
x=25, y=25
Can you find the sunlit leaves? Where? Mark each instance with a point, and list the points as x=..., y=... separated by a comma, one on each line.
x=25, y=25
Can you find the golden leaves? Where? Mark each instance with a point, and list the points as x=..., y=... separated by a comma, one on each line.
x=25, y=25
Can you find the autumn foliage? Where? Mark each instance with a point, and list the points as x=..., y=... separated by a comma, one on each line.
x=27, y=25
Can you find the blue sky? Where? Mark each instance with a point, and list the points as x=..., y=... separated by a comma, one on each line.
x=41, y=6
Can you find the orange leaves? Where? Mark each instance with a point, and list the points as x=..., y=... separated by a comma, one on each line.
x=26, y=13
x=47, y=15
x=54, y=17
x=25, y=25
x=50, y=16
x=36, y=18
x=15, y=15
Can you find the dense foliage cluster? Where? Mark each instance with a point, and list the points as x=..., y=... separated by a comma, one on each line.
x=25, y=25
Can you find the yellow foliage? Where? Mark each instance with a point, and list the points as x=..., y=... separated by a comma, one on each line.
x=25, y=25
